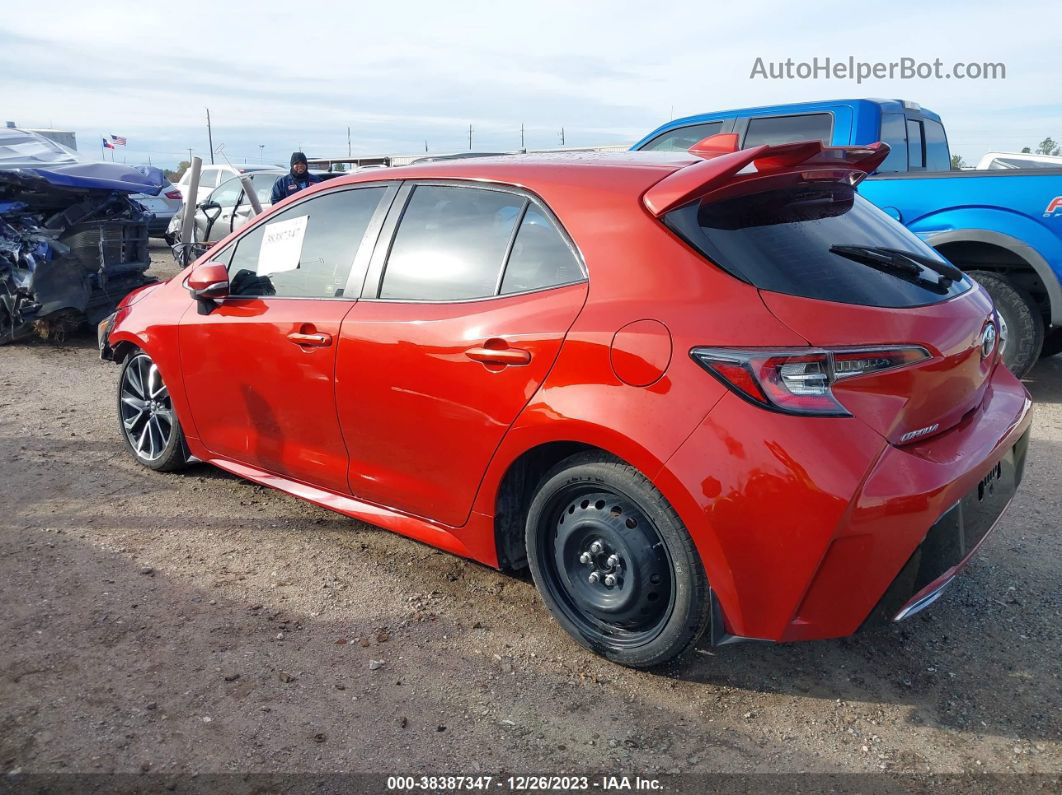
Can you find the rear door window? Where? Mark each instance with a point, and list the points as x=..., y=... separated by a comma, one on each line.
x=938, y=157
x=773, y=130
x=451, y=243
x=682, y=138
x=787, y=241
x=894, y=133
x=208, y=178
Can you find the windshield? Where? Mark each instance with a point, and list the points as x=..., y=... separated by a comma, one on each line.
x=33, y=149
x=821, y=241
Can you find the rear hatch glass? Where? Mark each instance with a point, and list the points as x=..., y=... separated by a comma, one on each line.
x=842, y=274
x=821, y=241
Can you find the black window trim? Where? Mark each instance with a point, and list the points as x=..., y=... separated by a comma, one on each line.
x=377, y=267
x=352, y=290
x=917, y=119
x=509, y=248
x=742, y=126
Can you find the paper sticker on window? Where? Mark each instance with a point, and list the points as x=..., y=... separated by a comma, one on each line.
x=281, y=246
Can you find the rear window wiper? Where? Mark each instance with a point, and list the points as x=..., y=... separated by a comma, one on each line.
x=905, y=264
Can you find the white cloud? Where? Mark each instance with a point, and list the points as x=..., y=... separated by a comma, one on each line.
x=284, y=74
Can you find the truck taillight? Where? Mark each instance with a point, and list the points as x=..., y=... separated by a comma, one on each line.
x=800, y=380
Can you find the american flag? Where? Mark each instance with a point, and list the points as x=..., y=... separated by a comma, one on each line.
x=107, y=144
x=119, y=140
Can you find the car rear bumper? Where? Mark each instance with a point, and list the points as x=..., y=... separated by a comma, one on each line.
x=158, y=225
x=806, y=525
x=954, y=538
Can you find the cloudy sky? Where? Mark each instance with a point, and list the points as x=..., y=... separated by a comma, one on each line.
x=296, y=74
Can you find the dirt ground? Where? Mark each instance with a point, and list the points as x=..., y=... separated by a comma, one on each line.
x=195, y=622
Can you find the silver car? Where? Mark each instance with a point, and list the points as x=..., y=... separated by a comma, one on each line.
x=227, y=208
x=163, y=207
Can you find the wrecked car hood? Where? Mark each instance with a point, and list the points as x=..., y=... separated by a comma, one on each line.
x=73, y=243
x=91, y=176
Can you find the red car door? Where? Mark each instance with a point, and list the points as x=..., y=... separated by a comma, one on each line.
x=258, y=368
x=462, y=318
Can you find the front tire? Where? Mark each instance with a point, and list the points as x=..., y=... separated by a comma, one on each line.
x=146, y=417
x=614, y=563
x=1021, y=317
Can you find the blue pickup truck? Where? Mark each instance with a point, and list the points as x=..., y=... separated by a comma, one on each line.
x=1004, y=228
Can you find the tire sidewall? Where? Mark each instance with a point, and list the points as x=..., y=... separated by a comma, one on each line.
x=689, y=611
x=1025, y=329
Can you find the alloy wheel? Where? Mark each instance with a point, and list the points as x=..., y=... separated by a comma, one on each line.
x=146, y=410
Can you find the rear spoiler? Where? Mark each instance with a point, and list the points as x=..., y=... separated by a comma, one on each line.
x=718, y=171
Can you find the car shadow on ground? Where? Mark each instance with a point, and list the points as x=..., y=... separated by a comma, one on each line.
x=1044, y=381
x=967, y=664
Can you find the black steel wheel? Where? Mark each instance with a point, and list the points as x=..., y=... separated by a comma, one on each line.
x=146, y=416
x=614, y=564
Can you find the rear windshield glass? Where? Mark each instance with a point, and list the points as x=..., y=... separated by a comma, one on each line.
x=788, y=241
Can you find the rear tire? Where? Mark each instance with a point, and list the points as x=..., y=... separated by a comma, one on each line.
x=614, y=563
x=146, y=417
x=1021, y=316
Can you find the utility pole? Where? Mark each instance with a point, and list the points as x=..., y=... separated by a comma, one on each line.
x=189, y=154
x=562, y=136
x=261, y=153
x=522, y=135
x=425, y=146
x=470, y=138
x=210, y=137
x=348, y=142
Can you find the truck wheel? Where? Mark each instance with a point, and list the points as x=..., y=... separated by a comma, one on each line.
x=1025, y=328
x=614, y=563
x=1052, y=343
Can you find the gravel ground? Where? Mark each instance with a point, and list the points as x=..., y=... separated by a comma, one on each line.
x=195, y=622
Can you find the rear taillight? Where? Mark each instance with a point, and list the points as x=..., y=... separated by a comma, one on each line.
x=172, y=194
x=800, y=380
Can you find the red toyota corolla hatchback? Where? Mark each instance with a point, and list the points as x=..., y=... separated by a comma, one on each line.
x=709, y=392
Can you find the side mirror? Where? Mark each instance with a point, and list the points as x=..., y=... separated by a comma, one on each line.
x=209, y=281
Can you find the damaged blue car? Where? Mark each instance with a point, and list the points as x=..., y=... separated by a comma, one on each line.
x=73, y=242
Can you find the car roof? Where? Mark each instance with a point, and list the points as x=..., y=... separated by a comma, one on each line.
x=588, y=169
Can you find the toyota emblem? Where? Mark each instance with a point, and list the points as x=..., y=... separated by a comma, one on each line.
x=988, y=339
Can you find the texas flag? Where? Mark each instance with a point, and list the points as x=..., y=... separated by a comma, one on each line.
x=107, y=144
x=118, y=140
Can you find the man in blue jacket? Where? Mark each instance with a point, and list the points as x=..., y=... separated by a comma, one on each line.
x=297, y=179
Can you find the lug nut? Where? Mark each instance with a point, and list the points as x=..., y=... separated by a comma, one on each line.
x=613, y=561
x=594, y=577
x=596, y=547
x=610, y=580
x=586, y=558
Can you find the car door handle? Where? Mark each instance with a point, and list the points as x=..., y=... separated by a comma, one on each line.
x=499, y=356
x=317, y=340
